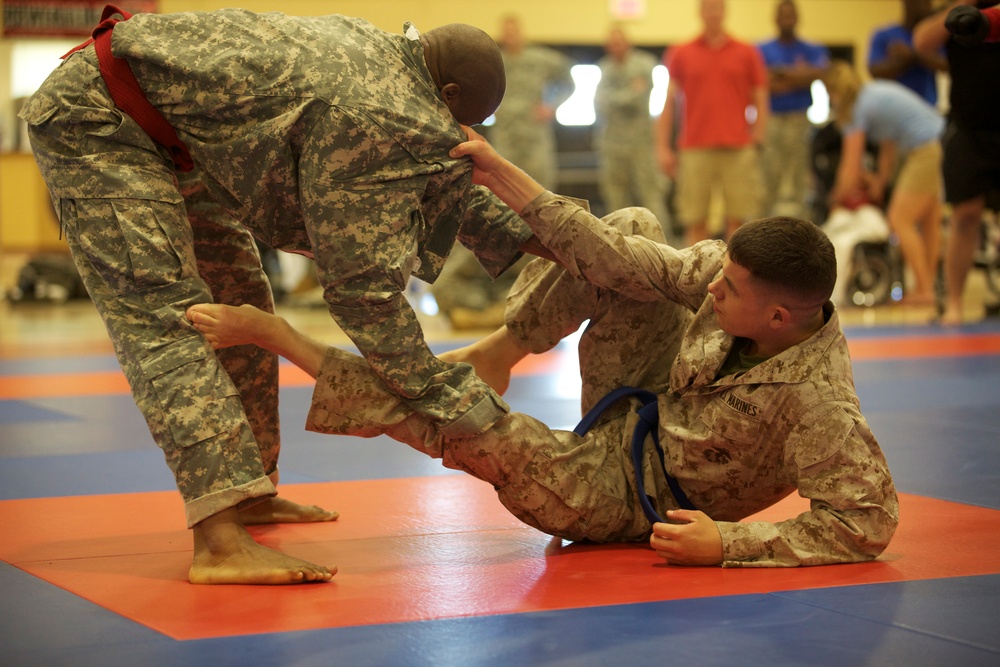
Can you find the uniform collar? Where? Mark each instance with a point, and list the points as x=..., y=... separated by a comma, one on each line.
x=706, y=347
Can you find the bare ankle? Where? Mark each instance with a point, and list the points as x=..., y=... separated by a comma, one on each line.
x=273, y=334
x=219, y=532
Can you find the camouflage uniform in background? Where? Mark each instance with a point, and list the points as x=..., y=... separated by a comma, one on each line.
x=322, y=136
x=736, y=442
x=535, y=76
x=629, y=173
x=538, y=74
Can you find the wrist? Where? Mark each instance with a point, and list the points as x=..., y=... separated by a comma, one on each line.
x=514, y=186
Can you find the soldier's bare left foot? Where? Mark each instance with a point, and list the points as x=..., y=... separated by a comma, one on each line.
x=282, y=510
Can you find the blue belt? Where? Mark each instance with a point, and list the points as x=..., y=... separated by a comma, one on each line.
x=648, y=423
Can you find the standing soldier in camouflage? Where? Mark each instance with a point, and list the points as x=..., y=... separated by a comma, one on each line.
x=746, y=390
x=168, y=148
x=538, y=81
x=629, y=173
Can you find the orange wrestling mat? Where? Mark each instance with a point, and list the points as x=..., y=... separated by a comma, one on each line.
x=420, y=549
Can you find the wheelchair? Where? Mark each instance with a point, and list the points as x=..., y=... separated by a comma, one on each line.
x=878, y=273
x=987, y=255
x=877, y=276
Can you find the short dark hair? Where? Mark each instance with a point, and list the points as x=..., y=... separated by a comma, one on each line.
x=470, y=58
x=787, y=254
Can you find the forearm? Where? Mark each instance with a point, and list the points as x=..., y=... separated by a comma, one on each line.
x=886, y=161
x=665, y=126
x=820, y=537
x=763, y=106
x=853, y=506
x=612, y=257
x=803, y=77
x=494, y=233
x=389, y=337
x=890, y=68
x=850, y=168
x=932, y=60
x=513, y=186
x=534, y=246
x=931, y=34
x=848, y=180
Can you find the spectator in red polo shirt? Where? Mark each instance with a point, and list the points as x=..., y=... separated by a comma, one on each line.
x=714, y=81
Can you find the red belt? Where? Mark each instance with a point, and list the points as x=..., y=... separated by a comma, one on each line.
x=993, y=16
x=127, y=94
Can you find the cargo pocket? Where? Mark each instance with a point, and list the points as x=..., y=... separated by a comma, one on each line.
x=588, y=485
x=38, y=109
x=194, y=396
x=159, y=241
x=136, y=245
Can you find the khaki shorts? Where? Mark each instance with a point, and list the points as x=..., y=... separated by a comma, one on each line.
x=921, y=170
x=735, y=170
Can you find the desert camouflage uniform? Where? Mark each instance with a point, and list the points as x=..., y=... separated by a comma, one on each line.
x=629, y=173
x=320, y=135
x=737, y=444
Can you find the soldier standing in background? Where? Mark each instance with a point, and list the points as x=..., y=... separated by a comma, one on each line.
x=624, y=137
x=538, y=81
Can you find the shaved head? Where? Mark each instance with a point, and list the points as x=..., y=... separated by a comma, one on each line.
x=468, y=69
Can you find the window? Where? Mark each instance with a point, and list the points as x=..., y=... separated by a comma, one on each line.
x=32, y=61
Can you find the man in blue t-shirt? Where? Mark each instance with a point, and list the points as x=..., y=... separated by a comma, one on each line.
x=891, y=54
x=793, y=65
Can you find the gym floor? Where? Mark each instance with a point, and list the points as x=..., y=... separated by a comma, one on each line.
x=433, y=571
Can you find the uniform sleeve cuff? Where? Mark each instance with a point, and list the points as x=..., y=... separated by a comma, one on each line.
x=740, y=544
x=483, y=415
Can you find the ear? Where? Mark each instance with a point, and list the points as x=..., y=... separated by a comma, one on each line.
x=451, y=92
x=780, y=317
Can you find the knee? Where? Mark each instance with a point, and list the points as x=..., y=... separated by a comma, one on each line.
x=965, y=220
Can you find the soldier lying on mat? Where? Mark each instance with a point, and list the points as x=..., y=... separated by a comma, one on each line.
x=740, y=389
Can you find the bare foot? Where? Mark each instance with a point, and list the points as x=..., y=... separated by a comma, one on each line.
x=493, y=358
x=226, y=326
x=917, y=300
x=282, y=510
x=225, y=553
x=950, y=317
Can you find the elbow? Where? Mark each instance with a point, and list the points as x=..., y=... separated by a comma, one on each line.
x=868, y=537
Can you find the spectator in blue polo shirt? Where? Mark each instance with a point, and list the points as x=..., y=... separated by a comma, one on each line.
x=792, y=66
x=891, y=54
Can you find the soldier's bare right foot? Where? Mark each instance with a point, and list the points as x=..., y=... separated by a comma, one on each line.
x=257, y=566
x=226, y=326
x=492, y=357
